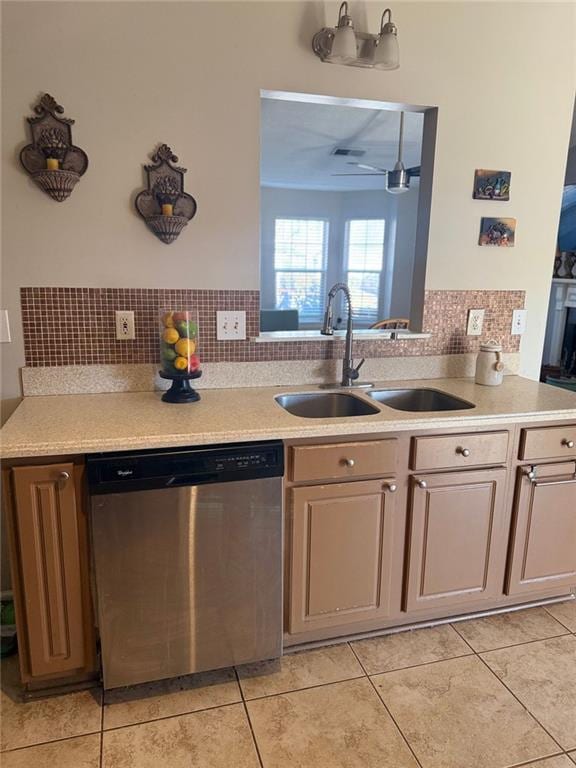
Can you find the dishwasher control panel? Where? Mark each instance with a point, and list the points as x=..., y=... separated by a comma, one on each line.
x=138, y=470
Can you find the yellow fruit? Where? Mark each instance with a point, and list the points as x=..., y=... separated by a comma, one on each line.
x=170, y=336
x=181, y=363
x=168, y=319
x=185, y=347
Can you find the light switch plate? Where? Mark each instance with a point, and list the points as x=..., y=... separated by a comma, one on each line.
x=4, y=326
x=475, y=322
x=125, y=330
x=230, y=325
x=518, y=322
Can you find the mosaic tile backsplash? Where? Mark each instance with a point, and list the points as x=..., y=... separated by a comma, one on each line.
x=76, y=326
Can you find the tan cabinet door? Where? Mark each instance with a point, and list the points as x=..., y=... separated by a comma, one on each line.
x=48, y=537
x=543, y=549
x=341, y=562
x=457, y=539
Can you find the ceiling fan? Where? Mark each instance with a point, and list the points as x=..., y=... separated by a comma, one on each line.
x=398, y=179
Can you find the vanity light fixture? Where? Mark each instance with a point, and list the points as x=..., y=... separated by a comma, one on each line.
x=343, y=45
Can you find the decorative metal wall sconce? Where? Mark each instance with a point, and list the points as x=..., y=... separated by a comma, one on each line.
x=54, y=163
x=164, y=206
x=343, y=45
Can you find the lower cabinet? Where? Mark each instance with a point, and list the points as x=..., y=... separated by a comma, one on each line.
x=341, y=553
x=49, y=559
x=457, y=539
x=543, y=546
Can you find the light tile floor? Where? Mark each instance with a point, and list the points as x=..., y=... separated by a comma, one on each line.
x=497, y=692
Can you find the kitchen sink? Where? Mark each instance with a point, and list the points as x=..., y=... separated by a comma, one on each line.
x=420, y=400
x=325, y=405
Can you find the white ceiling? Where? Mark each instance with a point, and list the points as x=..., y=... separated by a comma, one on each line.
x=297, y=139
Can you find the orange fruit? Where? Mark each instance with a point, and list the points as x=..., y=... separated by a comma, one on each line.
x=185, y=347
x=168, y=319
x=171, y=336
x=181, y=363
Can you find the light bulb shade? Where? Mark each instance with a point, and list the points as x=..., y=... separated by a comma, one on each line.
x=386, y=53
x=343, y=45
x=397, y=181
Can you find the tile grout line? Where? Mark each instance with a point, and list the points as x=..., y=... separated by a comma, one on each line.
x=525, y=708
x=47, y=743
x=572, y=631
x=512, y=645
x=187, y=713
x=539, y=760
x=256, y=747
x=305, y=688
x=102, y=729
x=532, y=715
x=390, y=715
x=417, y=666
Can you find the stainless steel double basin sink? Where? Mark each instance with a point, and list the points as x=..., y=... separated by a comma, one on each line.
x=326, y=405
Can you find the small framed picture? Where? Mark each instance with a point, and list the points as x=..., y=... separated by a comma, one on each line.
x=491, y=185
x=499, y=232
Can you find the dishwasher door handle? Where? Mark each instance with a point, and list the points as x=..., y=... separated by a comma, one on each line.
x=177, y=480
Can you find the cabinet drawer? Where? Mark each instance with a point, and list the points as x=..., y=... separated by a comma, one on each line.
x=467, y=450
x=548, y=442
x=343, y=460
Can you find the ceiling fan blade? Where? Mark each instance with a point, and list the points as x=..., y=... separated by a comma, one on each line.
x=415, y=171
x=358, y=174
x=369, y=167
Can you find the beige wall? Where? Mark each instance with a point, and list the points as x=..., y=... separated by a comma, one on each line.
x=189, y=74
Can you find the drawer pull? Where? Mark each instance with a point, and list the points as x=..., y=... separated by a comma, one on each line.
x=63, y=478
x=391, y=487
x=422, y=484
x=541, y=483
x=463, y=451
x=348, y=462
x=568, y=443
x=530, y=473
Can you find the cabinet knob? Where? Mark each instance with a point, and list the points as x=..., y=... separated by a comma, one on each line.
x=463, y=451
x=568, y=443
x=530, y=473
x=349, y=462
x=422, y=484
x=391, y=487
x=63, y=478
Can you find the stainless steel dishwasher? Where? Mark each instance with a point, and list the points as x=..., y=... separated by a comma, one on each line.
x=187, y=548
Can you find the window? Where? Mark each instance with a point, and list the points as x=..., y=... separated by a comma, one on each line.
x=364, y=259
x=300, y=248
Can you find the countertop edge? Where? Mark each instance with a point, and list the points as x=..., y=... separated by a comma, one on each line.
x=301, y=430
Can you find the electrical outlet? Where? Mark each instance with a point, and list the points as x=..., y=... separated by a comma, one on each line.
x=125, y=330
x=230, y=325
x=4, y=326
x=518, y=322
x=475, y=322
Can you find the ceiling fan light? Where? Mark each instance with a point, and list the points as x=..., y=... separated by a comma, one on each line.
x=398, y=180
x=386, y=51
x=343, y=48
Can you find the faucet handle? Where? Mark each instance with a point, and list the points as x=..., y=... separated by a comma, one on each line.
x=353, y=372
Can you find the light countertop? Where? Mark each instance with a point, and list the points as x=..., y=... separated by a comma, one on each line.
x=68, y=424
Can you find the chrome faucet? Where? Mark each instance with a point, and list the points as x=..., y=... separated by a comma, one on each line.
x=349, y=372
